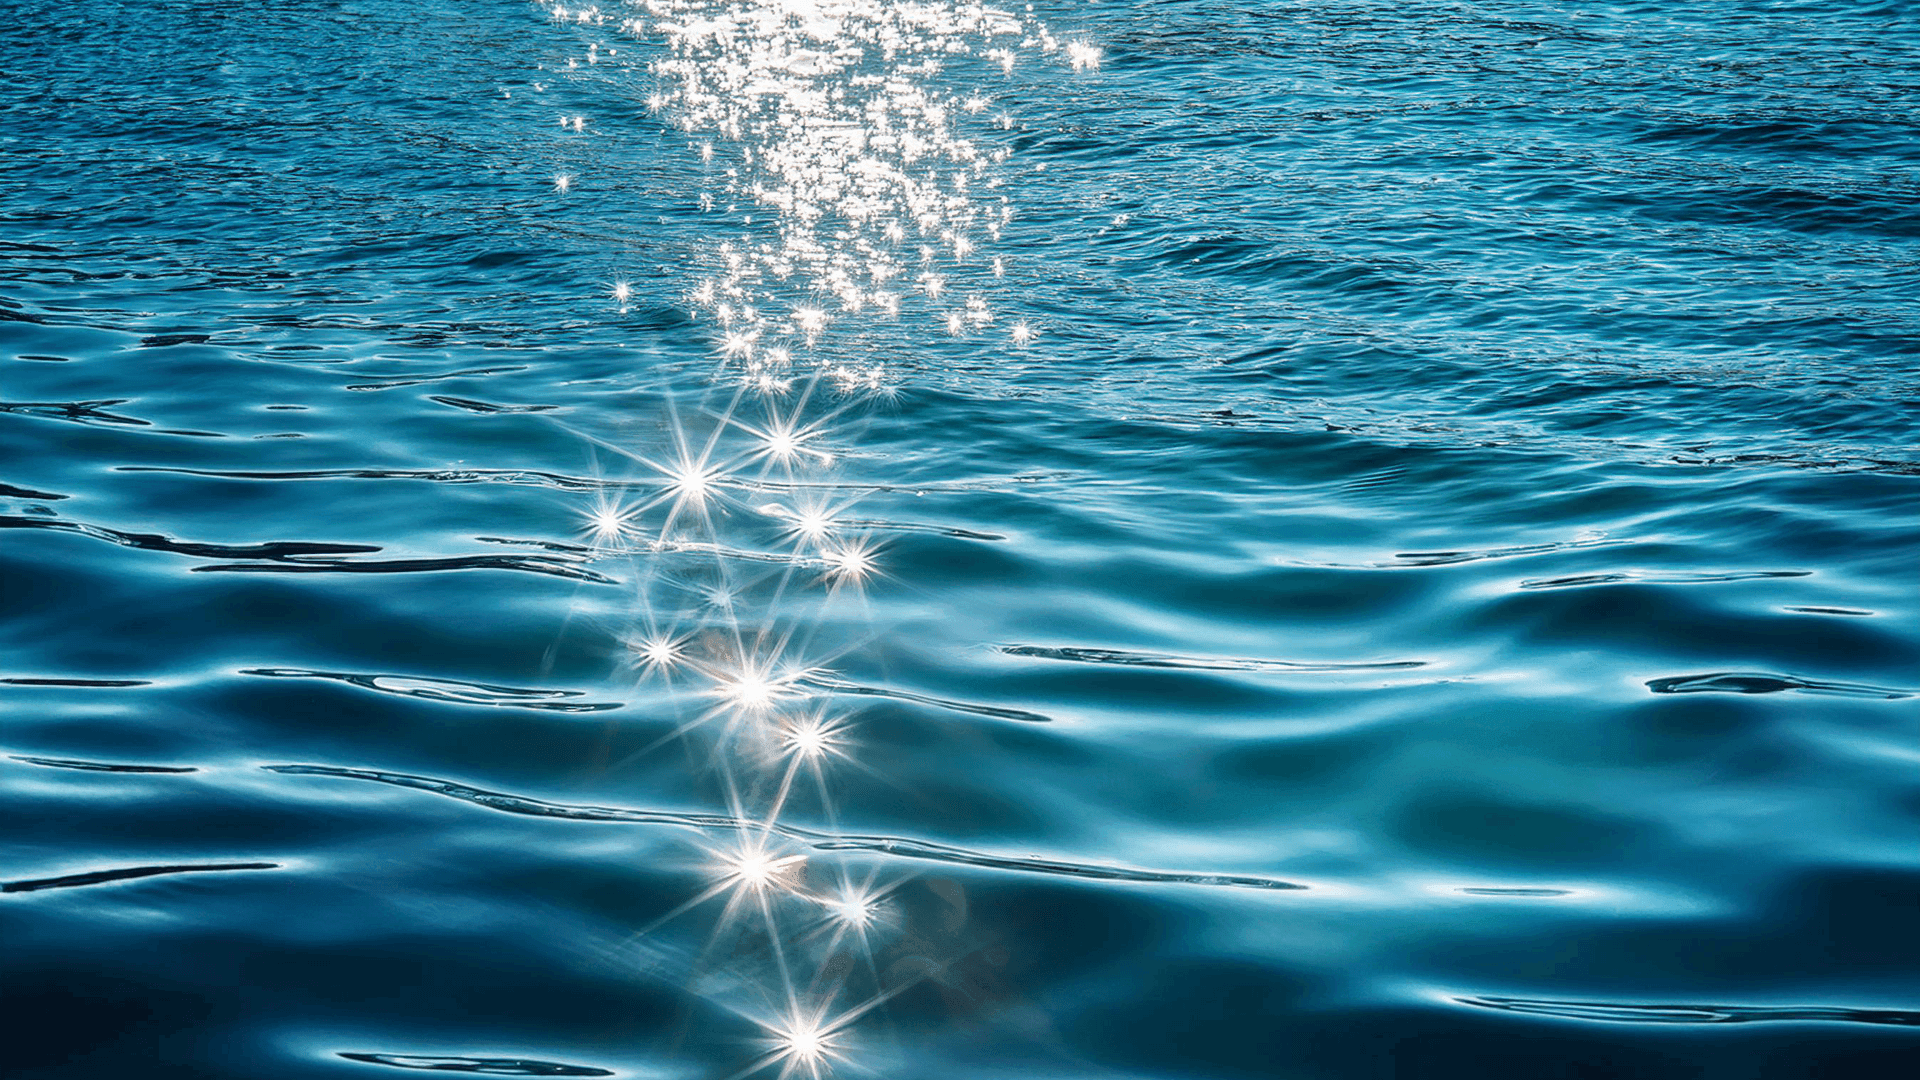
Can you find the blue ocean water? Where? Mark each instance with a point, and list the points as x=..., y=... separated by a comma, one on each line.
x=800, y=537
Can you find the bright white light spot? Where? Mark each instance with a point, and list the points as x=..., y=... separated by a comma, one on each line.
x=854, y=909
x=658, y=652
x=814, y=524
x=806, y=1045
x=691, y=483
x=609, y=523
x=849, y=563
x=562, y=183
x=753, y=688
x=756, y=869
x=809, y=741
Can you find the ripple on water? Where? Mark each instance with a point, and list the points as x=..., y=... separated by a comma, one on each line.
x=1446, y=473
x=453, y=691
x=489, y=1066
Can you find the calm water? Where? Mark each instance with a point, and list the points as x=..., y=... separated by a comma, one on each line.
x=1179, y=539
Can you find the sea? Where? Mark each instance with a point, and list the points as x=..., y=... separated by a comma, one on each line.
x=926, y=539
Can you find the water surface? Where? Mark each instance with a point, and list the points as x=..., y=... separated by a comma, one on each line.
x=1409, y=570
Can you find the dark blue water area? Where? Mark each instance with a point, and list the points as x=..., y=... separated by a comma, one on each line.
x=1439, y=596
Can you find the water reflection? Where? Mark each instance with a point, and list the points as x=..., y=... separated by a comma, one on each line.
x=843, y=151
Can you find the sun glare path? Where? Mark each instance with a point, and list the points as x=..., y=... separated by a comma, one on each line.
x=851, y=155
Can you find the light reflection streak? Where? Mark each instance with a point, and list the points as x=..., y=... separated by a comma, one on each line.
x=854, y=145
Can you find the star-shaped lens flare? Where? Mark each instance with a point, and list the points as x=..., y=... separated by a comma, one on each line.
x=659, y=653
x=609, y=524
x=847, y=158
x=806, y=1044
x=754, y=869
x=849, y=563
x=754, y=687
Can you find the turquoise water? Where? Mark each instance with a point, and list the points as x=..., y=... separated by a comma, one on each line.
x=1160, y=540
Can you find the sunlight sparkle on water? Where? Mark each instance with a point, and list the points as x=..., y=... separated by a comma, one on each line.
x=852, y=564
x=805, y=1046
x=752, y=868
x=752, y=687
x=658, y=653
x=609, y=523
x=783, y=443
x=813, y=737
x=691, y=483
x=850, y=153
x=854, y=908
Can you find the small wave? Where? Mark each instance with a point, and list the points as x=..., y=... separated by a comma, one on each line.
x=544, y=545
x=549, y=565
x=565, y=482
x=775, y=510
x=10, y=492
x=161, y=341
x=489, y=1066
x=722, y=551
x=102, y=877
x=79, y=412
x=948, y=487
x=391, y=382
x=1632, y=1013
x=449, y=690
x=921, y=849
x=515, y=477
x=1649, y=577
x=101, y=766
x=899, y=847
x=299, y=557
x=883, y=525
x=1862, y=463
x=1450, y=558
x=1749, y=682
x=839, y=686
x=276, y=549
x=1417, y=559
x=515, y=804
x=474, y=406
x=50, y=680
x=1495, y=890
x=1377, y=478
x=1198, y=663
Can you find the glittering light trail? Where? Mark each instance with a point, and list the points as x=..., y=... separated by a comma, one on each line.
x=849, y=146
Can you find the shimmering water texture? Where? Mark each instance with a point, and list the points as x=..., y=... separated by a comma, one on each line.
x=865, y=538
